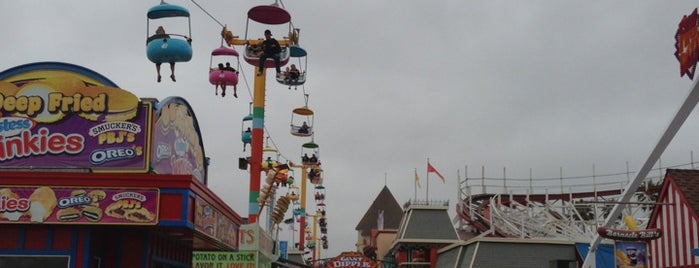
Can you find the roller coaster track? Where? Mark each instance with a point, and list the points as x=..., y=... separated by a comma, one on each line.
x=545, y=215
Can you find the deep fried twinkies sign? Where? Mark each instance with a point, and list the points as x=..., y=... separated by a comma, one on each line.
x=224, y=259
x=57, y=115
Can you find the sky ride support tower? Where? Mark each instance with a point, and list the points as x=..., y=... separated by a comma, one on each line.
x=268, y=15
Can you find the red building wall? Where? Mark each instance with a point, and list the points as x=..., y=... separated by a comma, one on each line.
x=680, y=231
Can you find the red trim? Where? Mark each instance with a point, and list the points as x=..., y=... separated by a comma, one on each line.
x=202, y=191
x=35, y=238
x=172, y=204
x=10, y=237
x=171, y=208
x=80, y=249
x=61, y=238
x=121, y=180
x=96, y=179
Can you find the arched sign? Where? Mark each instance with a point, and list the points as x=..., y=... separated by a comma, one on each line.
x=351, y=260
x=59, y=115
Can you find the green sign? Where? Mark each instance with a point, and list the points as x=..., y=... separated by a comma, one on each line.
x=224, y=259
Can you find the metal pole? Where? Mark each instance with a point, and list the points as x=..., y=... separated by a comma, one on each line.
x=682, y=113
x=258, y=125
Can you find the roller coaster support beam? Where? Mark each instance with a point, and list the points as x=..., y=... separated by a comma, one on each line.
x=689, y=103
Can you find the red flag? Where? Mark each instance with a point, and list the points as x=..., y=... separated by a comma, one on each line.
x=430, y=168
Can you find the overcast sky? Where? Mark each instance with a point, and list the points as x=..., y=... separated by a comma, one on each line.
x=511, y=87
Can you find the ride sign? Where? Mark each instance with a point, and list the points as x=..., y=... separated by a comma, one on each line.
x=687, y=44
x=628, y=235
x=351, y=260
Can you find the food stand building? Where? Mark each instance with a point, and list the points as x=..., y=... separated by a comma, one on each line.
x=93, y=176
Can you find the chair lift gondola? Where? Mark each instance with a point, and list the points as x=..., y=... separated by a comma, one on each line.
x=223, y=76
x=312, y=149
x=294, y=193
x=268, y=152
x=290, y=179
x=171, y=46
x=299, y=53
x=315, y=175
x=302, y=122
x=319, y=195
x=270, y=15
x=246, y=130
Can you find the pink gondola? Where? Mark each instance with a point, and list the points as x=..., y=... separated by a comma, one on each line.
x=220, y=77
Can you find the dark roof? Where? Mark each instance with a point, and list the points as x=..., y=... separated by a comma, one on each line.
x=687, y=181
x=392, y=213
x=428, y=223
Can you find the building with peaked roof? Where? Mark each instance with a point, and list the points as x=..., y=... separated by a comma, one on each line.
x=676, y=214
x=424, y=229
x=377, y=229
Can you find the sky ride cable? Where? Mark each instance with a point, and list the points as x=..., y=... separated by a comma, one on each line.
x=207, y=13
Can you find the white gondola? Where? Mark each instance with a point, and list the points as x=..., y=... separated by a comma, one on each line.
x=302, y=122
x=310, y=154
x=300, y=68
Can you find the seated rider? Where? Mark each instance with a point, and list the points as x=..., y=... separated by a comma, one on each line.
x=294, y=73
x=270, y=49
x=231, y=69
x=159, y=34
x=303, y=128
x=222, y=84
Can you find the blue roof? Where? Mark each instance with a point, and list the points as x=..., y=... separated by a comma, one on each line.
x=167, y=10
x=297, y=51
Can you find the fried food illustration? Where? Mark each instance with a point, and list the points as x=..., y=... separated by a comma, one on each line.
x=14, y=215
x=139, y=215
x=68, y=214
x=129, y=209
x=93, y=214
x=42, y=203
x=97, y=196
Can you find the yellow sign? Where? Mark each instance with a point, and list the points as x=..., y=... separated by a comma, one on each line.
x=224, y=259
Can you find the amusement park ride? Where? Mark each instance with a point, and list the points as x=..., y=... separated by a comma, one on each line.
x=174, y=47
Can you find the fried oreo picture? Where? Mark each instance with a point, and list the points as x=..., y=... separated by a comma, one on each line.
x=78, y=192
x=68, y=214
x=93, y=214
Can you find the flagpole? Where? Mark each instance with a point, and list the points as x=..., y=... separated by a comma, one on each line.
x=427, y=190
x=415, y=182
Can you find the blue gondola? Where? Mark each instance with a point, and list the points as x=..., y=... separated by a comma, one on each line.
x=168, y=45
